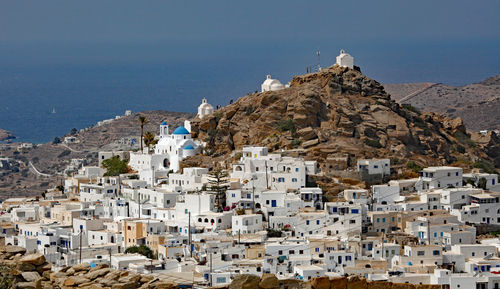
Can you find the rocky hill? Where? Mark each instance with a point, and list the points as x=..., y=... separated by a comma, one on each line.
x=339, y=111
x=477, y=104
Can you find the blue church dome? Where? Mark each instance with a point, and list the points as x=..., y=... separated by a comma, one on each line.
x=164, y=123
x=181, y=130
x=189, y=147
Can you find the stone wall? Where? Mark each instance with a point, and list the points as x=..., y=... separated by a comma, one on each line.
x=32, y=271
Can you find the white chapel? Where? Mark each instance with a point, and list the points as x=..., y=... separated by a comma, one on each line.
x=345, y=60
x=205, y=109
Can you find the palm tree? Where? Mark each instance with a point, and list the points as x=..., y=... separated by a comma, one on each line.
x=149, y=139
x=142, y=121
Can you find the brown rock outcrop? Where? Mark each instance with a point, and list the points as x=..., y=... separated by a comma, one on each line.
x=336, y=111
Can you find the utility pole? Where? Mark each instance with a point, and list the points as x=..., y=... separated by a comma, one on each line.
x=267, y=181
x=151, y=268
x=239, y=236
x=189, y=235
x=139, y=202
x=110, y=249
x=428, y=231
x=383, y=235
x=81, y=244
x=210, y=276
x=253, y=196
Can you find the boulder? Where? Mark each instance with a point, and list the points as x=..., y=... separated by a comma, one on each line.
x=31, y=276
x=320, y=283
x=75, y=281
x=403, y=286
x=35, y=259
x=245, y=281
x=268, y=281
x=338, y=283
x=378, y=285
x=13, y=249
x=27, y=285
x=97, y=273
x=81, y=267
x=306, y=133
x=129, y=285
x=355, y=282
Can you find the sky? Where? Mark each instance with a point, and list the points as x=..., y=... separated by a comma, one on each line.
x=451, y=41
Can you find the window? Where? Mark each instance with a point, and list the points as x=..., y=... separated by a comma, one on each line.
x=317, y=222
x=221, y=280
x=473, y=254
x=435, y=253
x=316, y=250
x=307, y=222
x=420, y=253
x=355, y=211
x=280, y=252
x=291, y=252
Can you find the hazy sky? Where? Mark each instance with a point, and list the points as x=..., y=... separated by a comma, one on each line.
x=454, y=41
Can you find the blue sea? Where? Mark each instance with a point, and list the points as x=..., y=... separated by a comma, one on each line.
x=87, y=84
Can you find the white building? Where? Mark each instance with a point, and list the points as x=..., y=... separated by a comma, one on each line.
x=169, y=151
x=374, y=166
x=246, y=224
x=205, y=109
x=271, y=84
x=441, y=177
x=345, y=60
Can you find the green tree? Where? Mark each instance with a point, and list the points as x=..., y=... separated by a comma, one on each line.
x=142, y=249
x=217, y=183
x=149, y=139
x=56, y=140
x=114, y=166
x=73, y=131
x=60, y=188
x=142, y=122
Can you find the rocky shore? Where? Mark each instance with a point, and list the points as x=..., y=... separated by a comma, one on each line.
x=6, y=135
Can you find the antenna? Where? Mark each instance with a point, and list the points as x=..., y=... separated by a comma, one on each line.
x=319, y=59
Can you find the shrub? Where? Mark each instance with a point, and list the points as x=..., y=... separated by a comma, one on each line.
x=486, y=166
x=287, y=125
x=56, y=140
x=373, y=143
x=295, y=143
x=411, y=108
x=460, y=149
x=271, y=233
x=249, y=110
x=114, y=166
x=463, y=138
x=142, y=249
x=413, y=166
x=64, y=153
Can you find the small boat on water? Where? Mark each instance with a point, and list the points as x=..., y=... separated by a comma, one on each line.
x=53, y=110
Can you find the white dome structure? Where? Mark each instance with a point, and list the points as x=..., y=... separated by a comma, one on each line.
x=345, y=60
x=205, y=109
x=271, y=84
